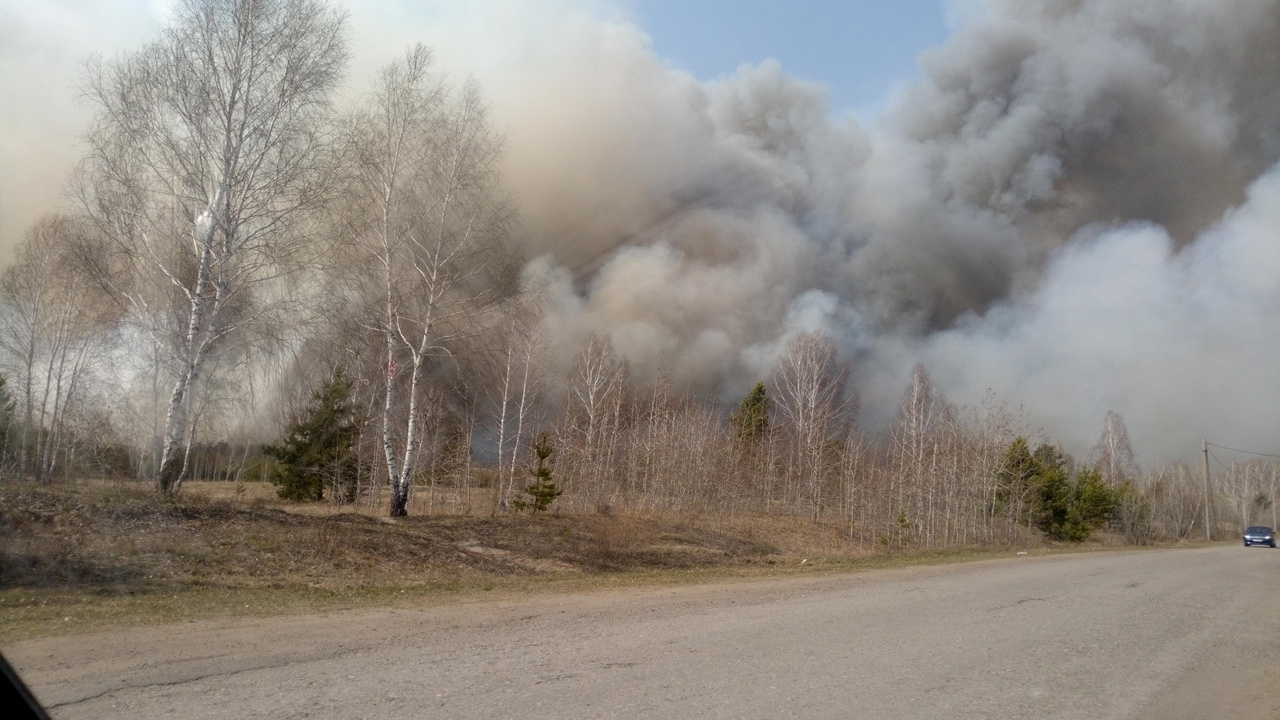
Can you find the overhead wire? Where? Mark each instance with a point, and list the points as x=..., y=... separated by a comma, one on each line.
x=1215, y=459
x=1246, y=452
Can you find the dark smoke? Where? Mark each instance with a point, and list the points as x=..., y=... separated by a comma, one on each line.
x=1036, y=215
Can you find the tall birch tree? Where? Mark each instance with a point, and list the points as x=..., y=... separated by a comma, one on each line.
x=432, y=227
x=597, y=391
x=207, y=152
x=1113, y=455
x=809, y=387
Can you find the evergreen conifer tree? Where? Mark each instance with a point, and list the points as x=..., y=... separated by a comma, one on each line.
x=751, y=421
x=1059, y=507
x=1095, y=501
x=543, y=491
x=318, y=449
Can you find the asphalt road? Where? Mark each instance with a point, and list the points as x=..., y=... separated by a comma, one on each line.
x=1170, y=633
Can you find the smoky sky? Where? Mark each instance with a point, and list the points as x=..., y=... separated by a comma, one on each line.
x=1076, y=206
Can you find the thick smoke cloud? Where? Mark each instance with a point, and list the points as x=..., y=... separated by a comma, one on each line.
x=1049, y=212
x=1181, y=342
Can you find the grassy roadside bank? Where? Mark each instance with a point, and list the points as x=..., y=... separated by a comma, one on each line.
x=78, y=557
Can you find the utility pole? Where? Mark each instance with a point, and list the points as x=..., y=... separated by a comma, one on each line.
x=1204, y=446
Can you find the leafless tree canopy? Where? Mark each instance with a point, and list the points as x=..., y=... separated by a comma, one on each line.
x=206, y=153
x=429, y=223
x=1113, y=455
x=53, y=323
x=809, y=386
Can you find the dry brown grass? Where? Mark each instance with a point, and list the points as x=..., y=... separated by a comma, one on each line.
x=84, y=554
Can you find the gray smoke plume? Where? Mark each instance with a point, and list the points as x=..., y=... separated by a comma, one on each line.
x=1076, y=205
x=1051, y=212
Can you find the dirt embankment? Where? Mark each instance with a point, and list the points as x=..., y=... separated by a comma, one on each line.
x=128, y=538
x=80, y=555
x=81, y=550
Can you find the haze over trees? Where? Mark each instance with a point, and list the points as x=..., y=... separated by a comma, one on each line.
x=207, y=155
x=254, y=283
x=425, y=204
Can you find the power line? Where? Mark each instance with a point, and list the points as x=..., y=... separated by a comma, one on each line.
x=1215, y=459
x=1246, y=452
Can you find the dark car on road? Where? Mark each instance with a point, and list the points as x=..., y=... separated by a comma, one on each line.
x=1259, y=535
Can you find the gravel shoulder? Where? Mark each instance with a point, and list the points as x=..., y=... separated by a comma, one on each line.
x=1177, y=633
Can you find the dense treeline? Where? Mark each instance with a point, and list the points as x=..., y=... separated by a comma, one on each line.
x=254, y=284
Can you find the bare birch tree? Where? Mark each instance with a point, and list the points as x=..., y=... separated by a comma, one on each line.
x=518, y=391
x=597, y=390
x=428, y=216
x=808, y=386
x=1113, y=455
x=915, y=446
x=54, y=326
x=206, y=154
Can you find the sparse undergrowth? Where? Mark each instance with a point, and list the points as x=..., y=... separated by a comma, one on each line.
x=75, y=556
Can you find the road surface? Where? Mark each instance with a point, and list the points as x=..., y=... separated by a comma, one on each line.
x=1169, y=634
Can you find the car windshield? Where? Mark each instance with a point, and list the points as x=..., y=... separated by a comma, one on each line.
x=1258, y=529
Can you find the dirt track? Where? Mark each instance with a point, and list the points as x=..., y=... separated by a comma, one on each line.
x=1168, y=634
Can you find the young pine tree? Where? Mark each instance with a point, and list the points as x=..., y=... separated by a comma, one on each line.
x=543, y=491
x=751, y=421
x=319, y=448
x=1095, y=501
